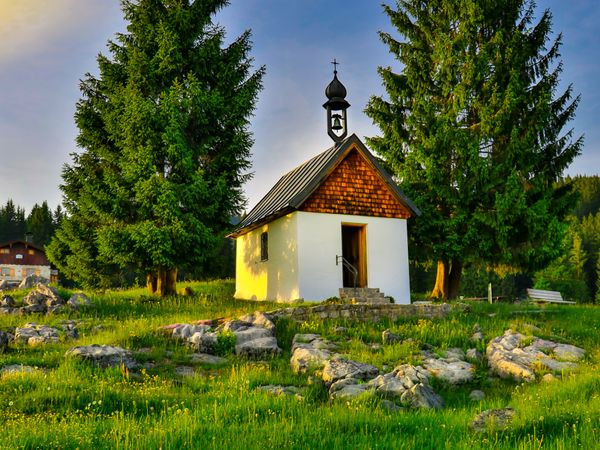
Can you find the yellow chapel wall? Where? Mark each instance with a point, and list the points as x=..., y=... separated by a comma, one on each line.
x=275, y=279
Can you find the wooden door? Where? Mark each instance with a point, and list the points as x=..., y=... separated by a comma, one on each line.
x=354, y=251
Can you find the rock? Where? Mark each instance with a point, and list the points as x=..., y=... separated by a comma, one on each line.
x=17, y=368
x=248, y=334
x=387, y=337
x=508, y=356
x=410, y=385
x=34, y=298
x=31, y=281
x=104, y=355
x=259, y=347
x=422, y=396
x=348, y=389
x=57, y=309
x=309, y=352
x=205, y=358
x=566, y=352
x=79, y=300
x=278, y=390
x=33, y=334
x=204, y=342
x=33, y=309
x=185, y=371
x=7, y=311
x=549, y=378
x=7, y=302
x=5, y=339
x=186, y=331
x=493, y=419
x=477, y=336
x=476, y=395
x=340, y=330
x=259, y=319
x=49, y=292
x=338, y=368
x=475, y=354
x=451, y=369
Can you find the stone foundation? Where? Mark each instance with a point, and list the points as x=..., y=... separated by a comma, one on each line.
x=372, y=312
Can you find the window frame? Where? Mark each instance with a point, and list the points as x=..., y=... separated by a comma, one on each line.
x=264, y=246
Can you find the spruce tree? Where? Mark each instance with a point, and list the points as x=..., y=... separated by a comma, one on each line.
x=40, y=224
x=165, y=147
x=472, y=127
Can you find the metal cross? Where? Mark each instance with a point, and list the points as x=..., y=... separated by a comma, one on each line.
x=335, y=64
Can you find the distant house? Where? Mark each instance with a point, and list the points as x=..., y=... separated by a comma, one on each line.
x=338, y=220
x=19, y=259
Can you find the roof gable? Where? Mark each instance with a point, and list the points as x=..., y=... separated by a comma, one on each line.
x=295, y=187
x=354, y=187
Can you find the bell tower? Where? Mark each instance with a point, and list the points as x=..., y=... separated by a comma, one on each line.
x=336, y=106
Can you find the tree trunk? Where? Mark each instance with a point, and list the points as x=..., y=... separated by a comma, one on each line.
x=166, y=282
x=151, y=283
x=454, y=279
x=161, y=282
x=172, y=282
x=440, y=290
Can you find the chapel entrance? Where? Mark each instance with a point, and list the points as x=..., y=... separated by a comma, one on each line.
x=354, y=251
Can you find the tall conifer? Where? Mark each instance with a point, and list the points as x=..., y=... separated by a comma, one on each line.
x=165, y=146
x=473, y=128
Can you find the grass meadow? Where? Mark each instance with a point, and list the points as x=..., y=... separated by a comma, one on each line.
x=70, y=404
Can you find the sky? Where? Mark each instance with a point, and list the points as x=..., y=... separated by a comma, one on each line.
x=46, y=47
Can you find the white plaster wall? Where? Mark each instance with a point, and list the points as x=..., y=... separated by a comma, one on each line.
x=276, y=278
x=44, y=271
x=320, y=240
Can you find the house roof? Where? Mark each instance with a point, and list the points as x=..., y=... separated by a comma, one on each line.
x=292, y=189
x=25, y=243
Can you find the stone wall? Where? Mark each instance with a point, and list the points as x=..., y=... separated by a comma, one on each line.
x=363, y=312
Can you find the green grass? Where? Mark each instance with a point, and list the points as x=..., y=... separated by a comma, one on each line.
x=69, y=404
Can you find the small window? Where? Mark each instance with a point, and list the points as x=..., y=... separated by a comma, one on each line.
x=30, y=252
x=19, y=256
x=264, y=246
x=4, y=251
x=5, y=271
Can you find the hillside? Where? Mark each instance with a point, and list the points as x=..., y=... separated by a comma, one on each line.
x=175, y=400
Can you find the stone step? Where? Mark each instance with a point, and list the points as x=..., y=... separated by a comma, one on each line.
x=364, y=295
x=358, y=292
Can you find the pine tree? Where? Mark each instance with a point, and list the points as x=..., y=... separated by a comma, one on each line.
x=40, y=224
x=472, y=128
x=165, y=147
x=12, y=222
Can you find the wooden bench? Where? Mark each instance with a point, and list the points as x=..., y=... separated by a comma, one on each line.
x=539, y=295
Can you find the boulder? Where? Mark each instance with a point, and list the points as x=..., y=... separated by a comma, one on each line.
x=103, y=355
x=338, y=368
x=33, y=334
x=186, y=331
x=305, y=359
x=258, y=347
x=493, y=419
x=259, y=319
x=244, y=335
x=278, y=390
x=514, y=355
x=31, y=281
x=204, y=342
x=49, y=292
x=5, y=339
x=78, y=300
x=474, y=354
x=408, y=384
x=387, y=337
x=34, y=298
x=348, y=389
x=7, y=302
x=185, y=371
x=452, y=369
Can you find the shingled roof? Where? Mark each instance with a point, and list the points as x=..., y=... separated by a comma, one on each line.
x=292, y=189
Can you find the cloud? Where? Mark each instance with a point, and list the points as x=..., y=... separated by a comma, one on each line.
x=28, y=27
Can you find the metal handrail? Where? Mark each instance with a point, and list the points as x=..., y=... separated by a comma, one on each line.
x=347, y=265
